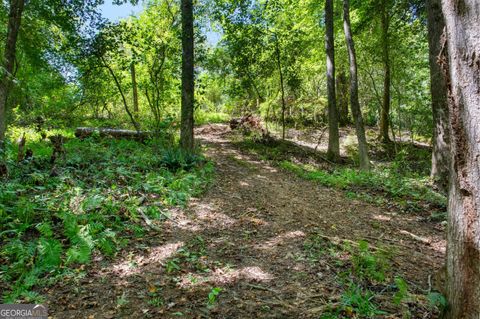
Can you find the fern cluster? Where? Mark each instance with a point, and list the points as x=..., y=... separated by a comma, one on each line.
x=53, y=224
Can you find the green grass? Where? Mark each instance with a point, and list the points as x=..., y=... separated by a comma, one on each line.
x=54, y=219
x=409, y=191
x=202, y=117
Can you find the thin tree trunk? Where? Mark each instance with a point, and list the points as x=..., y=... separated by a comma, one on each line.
x=252, y=81
x=342, y=98
x=355, y=104
x=279, y=64
x=333, y=153
x=462, y=68
x=438, y=89
x=135, y=88
x=385, y=111
x=120, y=90
x=14, y=21
x=188, y=80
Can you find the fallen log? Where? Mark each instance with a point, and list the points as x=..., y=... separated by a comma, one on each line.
x=84, y=132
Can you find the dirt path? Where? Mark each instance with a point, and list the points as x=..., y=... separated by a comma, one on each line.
x=246, y=236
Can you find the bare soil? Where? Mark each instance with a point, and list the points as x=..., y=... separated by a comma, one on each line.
x=251, y=224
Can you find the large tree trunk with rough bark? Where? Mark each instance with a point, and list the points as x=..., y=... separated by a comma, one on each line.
x=355, y=104
x=385, y=111
x=333, y=135
x=188, y=81
x=462, y=67
x=438, y=89
x=14, y=20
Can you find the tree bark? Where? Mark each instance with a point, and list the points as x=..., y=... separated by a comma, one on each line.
x=385, y=111
x=279, y=64
x=134, y=88
x=188, y=80
x=333, y=152
x=14, y=21
x=342, y=98
x=462, y=67
x=355, y=104
x=438, y=88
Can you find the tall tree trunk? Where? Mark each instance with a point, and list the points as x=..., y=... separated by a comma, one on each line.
x=188, y=80
x=333, y=135
x=385, y=111
x=284, y=106
x=462, y=19
x=342, y=98
x=134, y=88
x=14, y=20
x=355, y=104
x=438, y=89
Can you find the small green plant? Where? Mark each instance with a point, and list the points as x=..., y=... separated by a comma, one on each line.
x=172, y=265
x=175, y=158
x=359, y=301
x=155, y=300
x=122, y=300
x=213, y=296
x=368, y=265
x=402, y=292
x=437, y=301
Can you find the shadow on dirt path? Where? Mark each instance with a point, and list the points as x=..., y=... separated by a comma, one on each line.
x=246, y=236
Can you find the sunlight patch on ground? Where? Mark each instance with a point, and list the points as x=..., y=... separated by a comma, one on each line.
x=280, y=240
x=179, y=219
x=135, y=264
x=211, y=218
x=439, y=246
x=254, y=221
x=225, y=276
x=382, y=218
x=205, y=216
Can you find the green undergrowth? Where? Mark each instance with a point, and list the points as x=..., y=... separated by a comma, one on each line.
x=379, y=185
x=203, y=117
x=370, y=286
x=56, y=218
x=402, y=181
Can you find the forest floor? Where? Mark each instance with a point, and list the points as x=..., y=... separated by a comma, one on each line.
x=262, y=242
